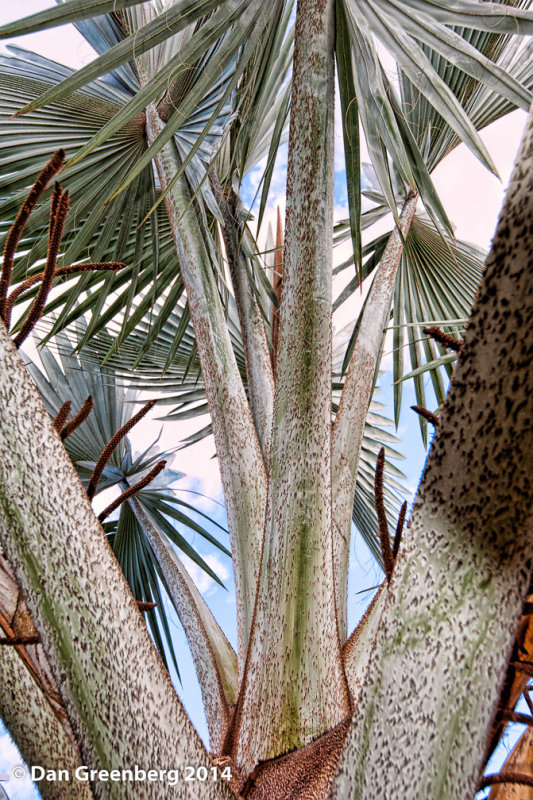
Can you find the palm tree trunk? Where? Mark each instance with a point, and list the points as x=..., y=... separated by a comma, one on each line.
x=460, y=581
x=120, y=702
x=214, y=659
x=34, y=726
x=349, y=426
x=254, y=342
x=294, y=687
x=239, y=454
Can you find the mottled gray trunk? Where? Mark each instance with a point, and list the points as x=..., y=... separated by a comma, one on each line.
x=456, y=594
x=239, y=454
x=214, y=659
x=34, y=726
x=295, y=688
x=120, y=702
x=254, y=341
x=349, y=426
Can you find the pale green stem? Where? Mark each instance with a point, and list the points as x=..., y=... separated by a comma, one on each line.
x=214, y=659
x=119, y=698
x=295, y=687
x=349, y=426
x=239, y=454
x=458, y=587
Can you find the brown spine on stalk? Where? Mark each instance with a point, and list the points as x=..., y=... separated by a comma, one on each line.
x=146, y=605
x=57, y=223
x=111, y=445
x=427, y=415
x=444, y=339
x=80, y=417
x=59, y=273
x=278, y=286
x=13, y=641
x=159, y=467
x=16, y=230
x=62, y=416
x=384, y=538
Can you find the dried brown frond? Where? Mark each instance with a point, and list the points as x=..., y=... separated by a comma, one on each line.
x=427, y=415
x=18, y=640
x=444, y=339
x=384, y=538
x=159, y=467
x=60, y=273
x=110, y=446
x=399, y=531
x=278, y=286
x=80, y=417
x=57, y=223
x=15, y=232
x=62, y=416
x=506, y=777
x=145, y=605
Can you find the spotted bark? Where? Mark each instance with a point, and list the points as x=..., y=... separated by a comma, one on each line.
x=34, y=726
x=239, y=454
x=458, y=587
x=214, y=659
x=350, y=422
x=294, y=688
x=254, y=342
x=121, y=705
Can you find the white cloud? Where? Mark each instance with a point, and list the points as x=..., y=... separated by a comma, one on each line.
x=204, y=583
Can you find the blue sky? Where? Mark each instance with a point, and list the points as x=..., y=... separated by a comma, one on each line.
x=473, y=198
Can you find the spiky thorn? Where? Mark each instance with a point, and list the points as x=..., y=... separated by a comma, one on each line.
x=77, y=420
x=62, y=416
x=57, y=222
x=386, y=551
x=427, y=415
x=506, y=777
x=148, y=478
x=399, y=532
x=59, y=273
x=17, y=640
x=278, y=287
x=15, y=232
x=145, y=605
x=110, y=446
x=444, y=339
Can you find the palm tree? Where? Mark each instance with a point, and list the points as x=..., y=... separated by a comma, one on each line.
x=404, y=704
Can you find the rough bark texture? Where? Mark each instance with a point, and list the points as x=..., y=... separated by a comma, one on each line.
x=462, y=575
x=239, y=454
x=350, y=422
x=213, y=656
x=254, y=342
x=121, y=704
x=295, y=688
x=15, y=621
x=34, y=726
x=358, y=649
